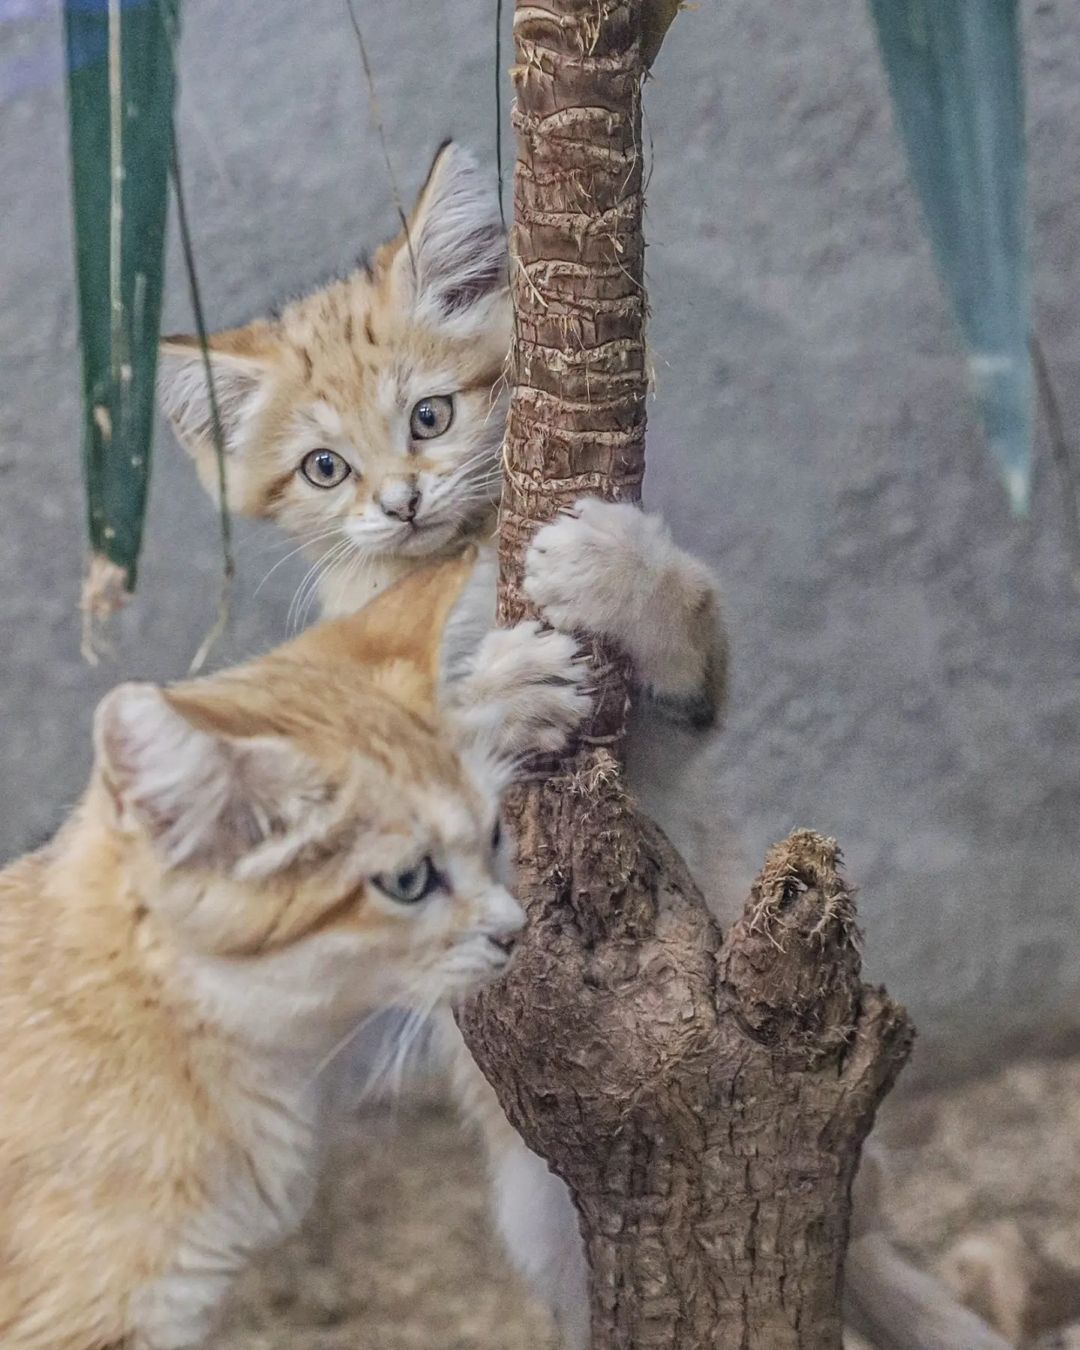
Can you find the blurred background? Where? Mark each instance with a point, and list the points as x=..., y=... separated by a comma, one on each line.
x=906, y=671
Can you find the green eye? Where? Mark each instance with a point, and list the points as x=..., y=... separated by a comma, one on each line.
x=412, y=885
x=324, y=468
x=431, y=417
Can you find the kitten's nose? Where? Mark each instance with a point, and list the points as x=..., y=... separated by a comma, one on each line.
x=506, y=942
x=400, y=501
x=507, y=920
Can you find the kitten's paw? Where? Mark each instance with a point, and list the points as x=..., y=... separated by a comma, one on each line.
x=527, y=691
x=584, y=569
x=1002, y=1273
x=609, y=569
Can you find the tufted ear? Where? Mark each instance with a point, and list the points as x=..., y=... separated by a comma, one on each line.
x=243, y=364
x=452, y=267
x=397, y=639
x=201, y=798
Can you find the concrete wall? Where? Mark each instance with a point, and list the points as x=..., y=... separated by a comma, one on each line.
x=906, y=672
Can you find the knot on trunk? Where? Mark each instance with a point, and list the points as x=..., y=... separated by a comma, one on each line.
x=791, y=965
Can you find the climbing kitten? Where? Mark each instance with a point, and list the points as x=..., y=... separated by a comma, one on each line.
x=261, y=859
x=367, y=421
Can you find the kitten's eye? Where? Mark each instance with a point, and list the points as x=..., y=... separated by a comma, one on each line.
x=324, y=468
x=431, y=417
x=496, y=836
x=412, y=885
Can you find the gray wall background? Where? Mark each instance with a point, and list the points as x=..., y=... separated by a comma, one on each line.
x=906, y=668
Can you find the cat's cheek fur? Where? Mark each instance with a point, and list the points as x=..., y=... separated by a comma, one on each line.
x=299, y=998
x=303, y=997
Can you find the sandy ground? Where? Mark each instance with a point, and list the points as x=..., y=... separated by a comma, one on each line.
x=398, y=1256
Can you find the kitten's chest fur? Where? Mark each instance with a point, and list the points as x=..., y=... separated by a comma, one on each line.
x=473, y=616
x=260, y=1183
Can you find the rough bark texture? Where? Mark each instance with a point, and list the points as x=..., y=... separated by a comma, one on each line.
x=704, y=1099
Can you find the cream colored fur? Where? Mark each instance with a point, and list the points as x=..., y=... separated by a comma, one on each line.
x=342, y=369
x=179, y=966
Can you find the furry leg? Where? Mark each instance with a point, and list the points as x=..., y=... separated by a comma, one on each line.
x=610, y=569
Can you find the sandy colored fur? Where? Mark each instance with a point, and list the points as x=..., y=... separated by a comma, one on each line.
x=174, y=979
x=342, y=369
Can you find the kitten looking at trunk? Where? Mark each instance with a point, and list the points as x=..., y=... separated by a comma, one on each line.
x=261, y=860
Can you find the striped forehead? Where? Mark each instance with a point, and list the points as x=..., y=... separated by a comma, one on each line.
x=320, y=416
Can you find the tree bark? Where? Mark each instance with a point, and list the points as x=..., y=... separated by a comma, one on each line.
x=704, y=1098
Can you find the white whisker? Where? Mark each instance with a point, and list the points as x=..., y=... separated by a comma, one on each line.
x=388, y=1073
x=356, y=569
x=309, y=584
x=343, y=1044
x=306, y=543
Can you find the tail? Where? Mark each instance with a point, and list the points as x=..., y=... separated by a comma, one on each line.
x=897, y=1307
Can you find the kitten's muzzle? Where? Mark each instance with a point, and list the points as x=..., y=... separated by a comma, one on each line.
x=506, y=942
x=505, y=923
x=400, y=501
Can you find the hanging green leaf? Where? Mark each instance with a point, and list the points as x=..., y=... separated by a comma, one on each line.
x=120, y=100
x=954, y=69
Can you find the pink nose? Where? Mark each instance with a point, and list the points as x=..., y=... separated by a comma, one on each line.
x=400, y=504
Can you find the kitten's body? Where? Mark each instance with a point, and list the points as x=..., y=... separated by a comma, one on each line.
x=336, y=428
x=260, y=862
x=143, y=1155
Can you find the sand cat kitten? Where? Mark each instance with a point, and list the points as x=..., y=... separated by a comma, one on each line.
x=367, y=420
x=260, y=860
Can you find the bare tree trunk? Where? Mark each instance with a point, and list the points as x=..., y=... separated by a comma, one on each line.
x=705, y=1100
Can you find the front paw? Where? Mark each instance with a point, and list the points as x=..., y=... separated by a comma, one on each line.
x=584, y=570
x=609, y=569
x=527, y=691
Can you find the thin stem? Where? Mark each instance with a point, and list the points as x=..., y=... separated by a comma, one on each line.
x=228, y=557
x=376, y=117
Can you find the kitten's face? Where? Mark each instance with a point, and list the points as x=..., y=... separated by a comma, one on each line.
x=368, y=418
x=313, y=842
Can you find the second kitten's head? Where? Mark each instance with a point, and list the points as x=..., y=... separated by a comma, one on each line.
x=370, y=413
x=311, y=841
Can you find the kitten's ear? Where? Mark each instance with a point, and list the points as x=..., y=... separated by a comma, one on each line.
x=452, y=266
x=200, y=797
x=242, y=362
x=397, y=639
